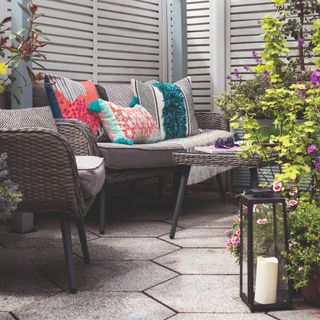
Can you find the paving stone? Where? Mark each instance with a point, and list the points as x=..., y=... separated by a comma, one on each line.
x=128, y=248
x=5, y=316
x=32, y=261
x=18, y=290
x=115, y=276
x=95, y=306
x=198, y=238
x=303, y=314
x=134, y=229
x=195, y=293
x=221, y=316
x=43, y=236
x=200, y=261
x=205, y=219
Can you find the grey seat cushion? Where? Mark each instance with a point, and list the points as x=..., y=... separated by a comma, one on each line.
x=91, y=173
x=120, y=156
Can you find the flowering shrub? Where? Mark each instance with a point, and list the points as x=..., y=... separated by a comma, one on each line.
x=303, y=256
x=9, y=195
x=22, y=46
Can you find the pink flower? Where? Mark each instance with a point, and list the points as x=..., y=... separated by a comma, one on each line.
x=238, y=232
x=262, y=221
x=293, y=191
x=277, y=186
x=228, y=232
x=237, y=217
x=228, y=243
x=293, y=202
x=235, y=241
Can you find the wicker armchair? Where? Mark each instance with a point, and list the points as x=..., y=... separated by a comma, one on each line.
x=43, y=163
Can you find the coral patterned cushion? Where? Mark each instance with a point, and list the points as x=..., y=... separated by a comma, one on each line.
x=126, y=125
x=70, y=100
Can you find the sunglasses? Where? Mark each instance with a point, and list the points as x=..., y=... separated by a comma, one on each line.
x=227, y=144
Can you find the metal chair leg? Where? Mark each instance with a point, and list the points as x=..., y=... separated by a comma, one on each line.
x=83, y=240
x=67, y=245
x=179, y=202
x=102, y=209
x=221, y=188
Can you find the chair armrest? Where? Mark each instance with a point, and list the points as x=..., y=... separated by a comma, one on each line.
x=43, y=164
x=212, y=120
x=79, y=136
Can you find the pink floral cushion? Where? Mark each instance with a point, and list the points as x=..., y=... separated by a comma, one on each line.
x=126, y=125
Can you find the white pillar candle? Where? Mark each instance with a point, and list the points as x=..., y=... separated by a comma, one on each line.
x=266, y=280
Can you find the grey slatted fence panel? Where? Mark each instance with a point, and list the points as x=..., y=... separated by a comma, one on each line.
x=129, y=40
x=69, y=26
x=104, y=40
x=199, y=52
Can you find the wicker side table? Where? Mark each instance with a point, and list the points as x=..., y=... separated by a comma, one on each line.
x=184, y=159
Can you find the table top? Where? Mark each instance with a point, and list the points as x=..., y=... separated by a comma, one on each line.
x=193, y=157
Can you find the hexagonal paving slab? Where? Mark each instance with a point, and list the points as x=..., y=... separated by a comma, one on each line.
x=134, y=229
x=198, y=238
x=199, y=294
x=41, y=237
x=200, y=261
x=115, y=276
x=303, y=314
x=32, y=261
x=95, y=306
x=18, y=290
x=5, y=316
x=221, y=316
x=205, y=219
x=128, y=248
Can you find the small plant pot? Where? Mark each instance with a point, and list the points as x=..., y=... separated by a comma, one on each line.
x=22, y=222
x=311, y=293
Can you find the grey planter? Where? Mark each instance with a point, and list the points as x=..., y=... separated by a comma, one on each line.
x=22, y=222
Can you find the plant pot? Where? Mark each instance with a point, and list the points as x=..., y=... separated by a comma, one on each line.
x=311, y=293
x=22, y=222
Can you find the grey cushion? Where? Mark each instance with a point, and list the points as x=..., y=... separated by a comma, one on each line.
x=91, y=173
x=120, y=94
x=119, y=156
x=28, y=118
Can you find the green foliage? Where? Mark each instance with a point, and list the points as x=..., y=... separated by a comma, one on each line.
x=303, y=256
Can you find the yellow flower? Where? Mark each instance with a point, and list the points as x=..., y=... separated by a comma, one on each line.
x=3, y=68
x=279, y=2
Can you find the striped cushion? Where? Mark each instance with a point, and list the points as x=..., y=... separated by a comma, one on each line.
x=70, y=99
x=152, y=97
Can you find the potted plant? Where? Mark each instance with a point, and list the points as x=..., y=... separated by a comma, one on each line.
x=303, y=256
x=18, y=47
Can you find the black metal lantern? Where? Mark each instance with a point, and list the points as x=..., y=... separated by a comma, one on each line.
x=264, y=237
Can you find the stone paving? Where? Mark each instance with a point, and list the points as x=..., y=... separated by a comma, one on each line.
x=136, y=272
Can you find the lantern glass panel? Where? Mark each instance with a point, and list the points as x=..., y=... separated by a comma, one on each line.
x=269, y=284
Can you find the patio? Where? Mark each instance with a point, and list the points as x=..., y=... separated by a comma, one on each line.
x=132, y=131
x=137, y=272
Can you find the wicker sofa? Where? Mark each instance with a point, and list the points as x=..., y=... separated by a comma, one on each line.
x=130, y=163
